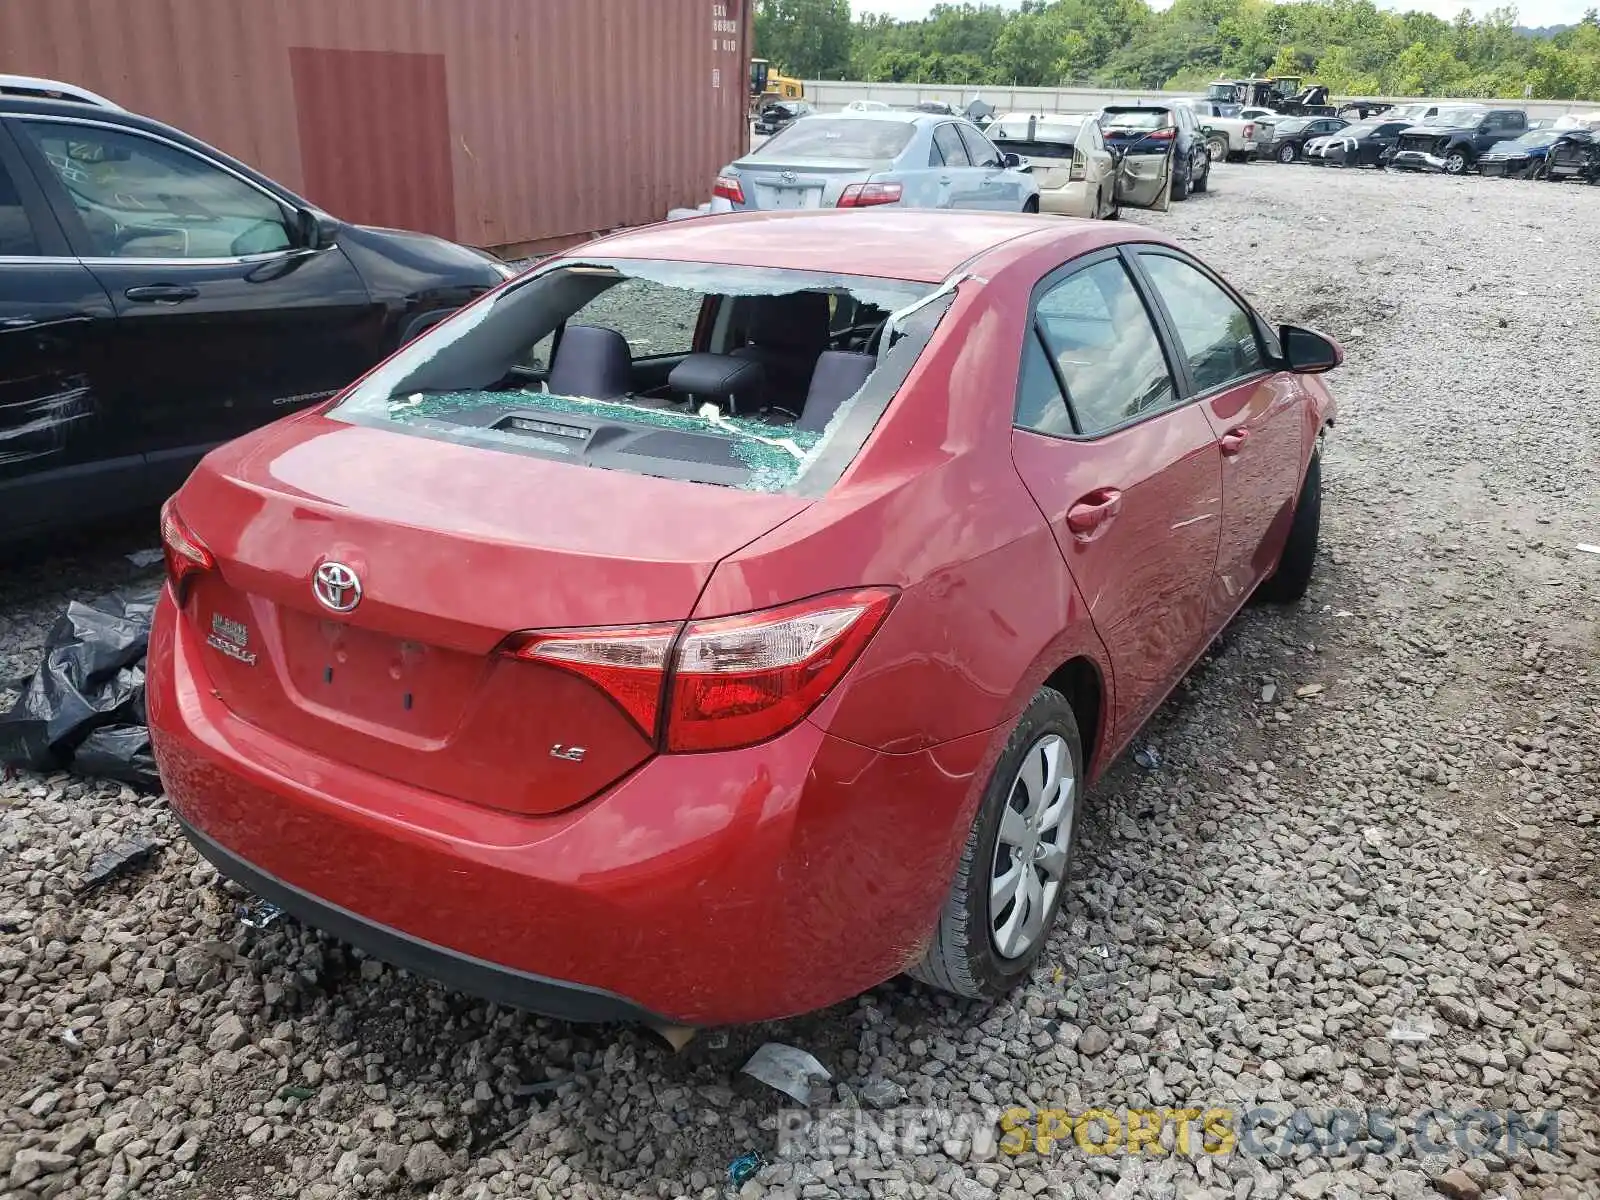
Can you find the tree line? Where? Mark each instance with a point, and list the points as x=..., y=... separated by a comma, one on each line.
x=1352, y=46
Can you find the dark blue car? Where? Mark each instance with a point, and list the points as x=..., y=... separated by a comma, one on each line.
x=1522, y=157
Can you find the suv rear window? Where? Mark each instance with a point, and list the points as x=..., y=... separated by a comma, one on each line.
x=751, y=377
x=1137, y=118
x=855, y=139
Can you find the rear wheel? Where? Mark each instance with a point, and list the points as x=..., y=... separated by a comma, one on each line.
x=1455, y=163
x=1287, y=152
x=1217, y=147
x=1032, y=206
x=1180, y=178
x=1013, y=870
x=1204, y=181
x=1293, y=576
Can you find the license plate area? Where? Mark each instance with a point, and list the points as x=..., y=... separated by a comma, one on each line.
x=404, y=685
x=780, y=195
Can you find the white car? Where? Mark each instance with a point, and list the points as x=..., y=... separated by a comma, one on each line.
x=1067, y=156
x=867, y=106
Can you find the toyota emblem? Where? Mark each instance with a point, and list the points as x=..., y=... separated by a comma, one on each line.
x=337, y=587
x=788, y=177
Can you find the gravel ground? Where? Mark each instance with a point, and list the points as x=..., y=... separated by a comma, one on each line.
x=1378, y=812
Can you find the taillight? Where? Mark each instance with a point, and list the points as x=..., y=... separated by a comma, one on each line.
x=741, y=680
x=185, y=554
x=729, y=681
x=628, y=664
x=1079, y=167
x=865, y=195
x=1163, y=135
x=729, y=188
x=1249, y=132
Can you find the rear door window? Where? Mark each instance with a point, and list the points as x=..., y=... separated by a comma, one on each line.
x=16, y=232
x=653, y=319
x=953, y=152
x=142, y=198
x=1104, y=347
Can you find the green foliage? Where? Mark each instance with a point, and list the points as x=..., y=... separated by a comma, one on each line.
x=1353, y=46
x=807, y=38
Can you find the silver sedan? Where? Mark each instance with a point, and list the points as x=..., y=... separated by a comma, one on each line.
x=862, y=159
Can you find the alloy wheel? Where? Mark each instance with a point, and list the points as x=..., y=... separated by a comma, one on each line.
x=1030, y=851
x=1455, y=164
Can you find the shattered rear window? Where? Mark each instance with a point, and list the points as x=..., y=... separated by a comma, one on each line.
x=762, y=379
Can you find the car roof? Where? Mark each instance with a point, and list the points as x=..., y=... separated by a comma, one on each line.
x=920, y=245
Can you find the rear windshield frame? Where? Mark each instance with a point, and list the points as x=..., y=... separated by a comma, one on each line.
x=813, y=128
x=911, y=326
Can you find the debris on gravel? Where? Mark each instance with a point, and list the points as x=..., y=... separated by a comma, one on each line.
x=1353, y=897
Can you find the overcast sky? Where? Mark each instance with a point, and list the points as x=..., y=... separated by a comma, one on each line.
x=1529, y=12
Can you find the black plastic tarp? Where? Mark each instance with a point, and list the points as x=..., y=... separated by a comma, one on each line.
x=83, y=709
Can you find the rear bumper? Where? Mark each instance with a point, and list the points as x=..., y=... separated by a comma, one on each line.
x=1072, y=200
x=503, y=985
x=701, y=889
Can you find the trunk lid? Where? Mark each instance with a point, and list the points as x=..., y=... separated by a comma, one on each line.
x=801, y=183
x=455, y=547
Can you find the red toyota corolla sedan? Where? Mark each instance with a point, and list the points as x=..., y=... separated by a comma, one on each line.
x=715, y=621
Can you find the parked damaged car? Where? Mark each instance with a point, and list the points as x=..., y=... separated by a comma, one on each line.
x=779, y=115
x=1574, y=154
x=1452, y=140
x=1287, y=138
x=869, y=159
x=1067, y=156
x=1365, y=144
x=158, y=298
x=1522, y=158
x=1159, y=138
x=641, y=657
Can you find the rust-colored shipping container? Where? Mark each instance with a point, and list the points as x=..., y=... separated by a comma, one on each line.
x=505, y=123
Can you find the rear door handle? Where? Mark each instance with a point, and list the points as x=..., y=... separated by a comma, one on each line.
x=162, y=293
x=944, y=179
x=1090, y=515
x=1233, y=441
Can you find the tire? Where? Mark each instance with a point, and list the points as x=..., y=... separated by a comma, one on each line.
x=1032, y=205
x=1455, y=163
x=963, y=957
x=1288, y=152
x=1217, y=148
x=1180, y=180
x=1204, y=182
x=1293, y=576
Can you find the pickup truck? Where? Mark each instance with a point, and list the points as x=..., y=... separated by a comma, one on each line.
x=1452, y=139
x=1229, y=134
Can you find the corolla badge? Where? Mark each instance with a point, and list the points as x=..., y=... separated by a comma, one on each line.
x=337, y=586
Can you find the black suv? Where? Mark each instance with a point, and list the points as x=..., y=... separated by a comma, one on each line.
x=158, y=298
x=1451, y=139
